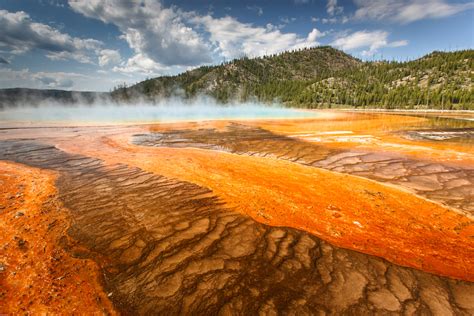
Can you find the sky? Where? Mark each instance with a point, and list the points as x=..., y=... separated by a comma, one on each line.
x=95, y=45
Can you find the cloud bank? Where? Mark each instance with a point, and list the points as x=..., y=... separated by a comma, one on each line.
x=163, y=37
x=19, y=34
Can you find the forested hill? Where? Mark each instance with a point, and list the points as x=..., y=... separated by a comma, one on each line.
x=326, y=77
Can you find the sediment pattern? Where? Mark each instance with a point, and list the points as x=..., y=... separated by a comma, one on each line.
x=37, y=275
x=170, y=247
x=450, y=185
x=465, y=135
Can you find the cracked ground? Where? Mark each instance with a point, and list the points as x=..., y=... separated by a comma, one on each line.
x=234, y=218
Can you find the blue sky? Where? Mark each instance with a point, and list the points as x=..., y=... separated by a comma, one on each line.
x=96, y=45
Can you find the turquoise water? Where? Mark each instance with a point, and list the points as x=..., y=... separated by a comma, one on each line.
x=148, y=113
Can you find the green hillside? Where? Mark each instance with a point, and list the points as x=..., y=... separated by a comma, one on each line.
x=325, y=77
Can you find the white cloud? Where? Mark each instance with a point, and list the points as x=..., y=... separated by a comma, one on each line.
x=109, y=57
x=372, y=41
x=332, y=8
x=170, y=37
x=331, y=20
x=151, y=30
x=314, y=35
x=398, y=43
x=140, y=63
x=407, y=11
x=64, y=55
x=234, y=38
x=19, y=34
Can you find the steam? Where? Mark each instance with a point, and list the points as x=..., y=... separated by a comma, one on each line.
x=104, y=111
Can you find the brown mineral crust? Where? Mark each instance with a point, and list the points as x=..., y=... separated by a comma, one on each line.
x=167, y=245
x=37, y=276
x=347, y=211
x=439, y=180
x=171, y=247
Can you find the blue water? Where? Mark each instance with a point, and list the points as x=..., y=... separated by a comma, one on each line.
x=148, y=113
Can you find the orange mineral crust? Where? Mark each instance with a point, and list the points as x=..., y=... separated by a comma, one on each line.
x=378, y=132
x=349, y=130
x=345, y=210
x=37, y=276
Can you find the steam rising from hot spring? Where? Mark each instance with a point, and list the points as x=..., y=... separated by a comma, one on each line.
x=169, y=110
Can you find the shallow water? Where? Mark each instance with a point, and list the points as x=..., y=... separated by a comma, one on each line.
x=148, y=113
x=439, y=128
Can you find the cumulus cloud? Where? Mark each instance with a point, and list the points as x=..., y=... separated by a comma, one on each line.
x=151, y=30
x=164, y=37
x=314, y=35
x=372, y=41
x=234, y=38
x=109, y=57
x=407, y=11
x=19, y=34
x=142, y=64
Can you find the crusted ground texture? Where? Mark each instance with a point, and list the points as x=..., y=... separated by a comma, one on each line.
x=445, y=183
x=168, y=247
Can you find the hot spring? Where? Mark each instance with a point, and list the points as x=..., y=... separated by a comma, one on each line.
x=147, y=113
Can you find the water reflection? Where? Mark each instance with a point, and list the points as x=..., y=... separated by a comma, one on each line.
x=458, y=129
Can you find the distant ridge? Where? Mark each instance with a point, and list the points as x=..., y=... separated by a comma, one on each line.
x=319, y=77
